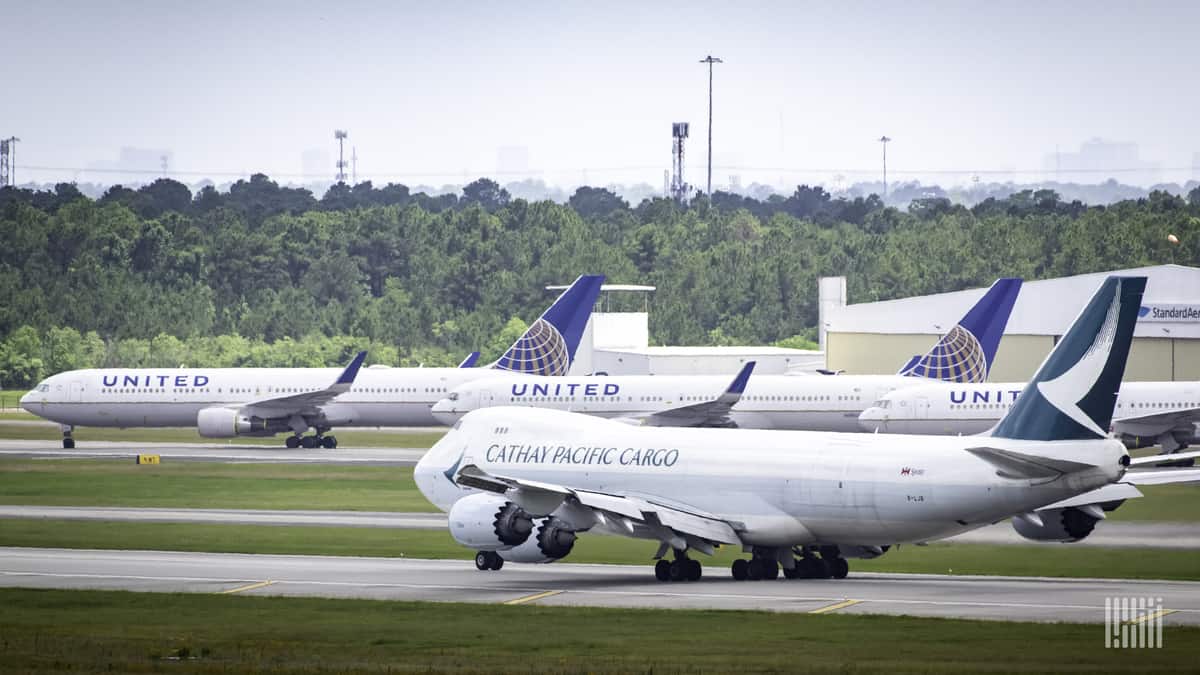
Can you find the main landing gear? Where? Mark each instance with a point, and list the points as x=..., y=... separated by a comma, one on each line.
x=682, y=568
x=765, y=563
x=488, y=560
x=317, y=440
x=68, y=441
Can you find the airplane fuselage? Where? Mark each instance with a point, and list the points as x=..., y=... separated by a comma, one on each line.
x=780, y=488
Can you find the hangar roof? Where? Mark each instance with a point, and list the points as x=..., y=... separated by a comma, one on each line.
x=1045, y=307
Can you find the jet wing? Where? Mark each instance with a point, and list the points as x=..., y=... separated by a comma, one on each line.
x=306, y=402
x=1137, y=425
x=469, y=361
x=632, y=515
x=714, y=413
x=1162, y=476
x=1154, y=460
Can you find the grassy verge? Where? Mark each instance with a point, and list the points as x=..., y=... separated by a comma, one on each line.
x=83, y=482
x=1047, y=560
x=130, y=632
x=346, y=437
x=297, y=486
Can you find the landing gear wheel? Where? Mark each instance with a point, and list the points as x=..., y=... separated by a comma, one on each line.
x=292, y=442
x=814, y=568
x=754, y=569
x=839, y=568
x=497, y=561
x=483, y=562
x=679, y=570
x=662, y=570
x=792, y=572
x=309, y=442
x=738, y=569
x=68, y=443
x=694, y=570
x=329, y=442
x=770, y=569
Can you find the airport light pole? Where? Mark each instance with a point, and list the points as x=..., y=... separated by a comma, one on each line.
x=710, y=60
x=884, y=140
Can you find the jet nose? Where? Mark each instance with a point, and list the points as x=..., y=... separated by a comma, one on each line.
x=873, y=419
x=27, y=401
x=434, y=473
x=445, y=411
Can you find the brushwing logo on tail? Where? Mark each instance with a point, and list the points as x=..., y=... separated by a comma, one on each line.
x=542, y=350
x=957, y=357
x=1067, y=390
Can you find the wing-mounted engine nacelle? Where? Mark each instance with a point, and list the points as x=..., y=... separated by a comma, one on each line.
x=227, y=423
x=553, y=539
x=1064, y=525
x=489, y=522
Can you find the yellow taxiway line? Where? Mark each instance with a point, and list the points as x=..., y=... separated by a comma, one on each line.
x=834, y=607
x=531, y=598
x=248, y=587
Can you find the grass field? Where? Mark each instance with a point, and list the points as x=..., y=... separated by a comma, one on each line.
x=72, y=631
x=346, y=437
x=1057, y=560
x=86, y=482
x=83, y=482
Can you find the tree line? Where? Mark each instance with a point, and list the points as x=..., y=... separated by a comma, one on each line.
x=270, y=275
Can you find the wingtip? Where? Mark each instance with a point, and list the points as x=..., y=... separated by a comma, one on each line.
x=351, y=370
x=739, y=383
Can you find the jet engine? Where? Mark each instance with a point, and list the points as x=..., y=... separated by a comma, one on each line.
x=227, y=423
x=1064, y=525
x=554, y=539
x=489, y=522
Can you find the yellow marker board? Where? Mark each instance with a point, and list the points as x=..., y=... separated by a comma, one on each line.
x=149, y=459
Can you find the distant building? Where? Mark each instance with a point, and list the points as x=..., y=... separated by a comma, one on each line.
x=1098, y=160
x=132, y=166
x=873, y=337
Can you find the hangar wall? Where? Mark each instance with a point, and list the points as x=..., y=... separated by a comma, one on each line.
x=1150, y=359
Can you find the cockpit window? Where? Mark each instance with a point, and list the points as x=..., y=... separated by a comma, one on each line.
x=453, y=396
x=883, y=403
x=43, y=387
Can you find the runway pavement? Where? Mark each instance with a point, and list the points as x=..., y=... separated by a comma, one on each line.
x=1107, y=534
x=212, y=452
x=998, y=598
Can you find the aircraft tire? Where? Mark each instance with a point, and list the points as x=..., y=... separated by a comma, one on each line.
x=754, y=569
x=839, y=568
x=738, y=569
x=497, y=562
x=793, y=573
x=694, y=570
x=662, y=570
x=309, y=442
x=292, y=442
x=678, y=570
x=770, y=569
x=68, y=443
x=329, y=442
x=482, y=562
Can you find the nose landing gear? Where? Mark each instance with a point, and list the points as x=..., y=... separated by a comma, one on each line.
x=68, y=442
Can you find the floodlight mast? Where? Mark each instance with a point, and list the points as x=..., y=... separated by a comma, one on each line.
x=884, y=140
x=710, y=60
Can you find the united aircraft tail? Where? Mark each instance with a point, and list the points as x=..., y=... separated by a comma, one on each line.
x=548, y=347
x=965, y=354
x=1073, y=393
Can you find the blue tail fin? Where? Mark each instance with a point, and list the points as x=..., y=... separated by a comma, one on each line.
x=965, y=354
x=1073, y=393
x=548, y=347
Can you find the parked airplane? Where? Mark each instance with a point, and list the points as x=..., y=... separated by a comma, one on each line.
x=1147, y=413
x=815, y=403
x=229, y=402
x=521, y=484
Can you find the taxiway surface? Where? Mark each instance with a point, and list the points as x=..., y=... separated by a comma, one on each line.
x=212, y=452
x=997, y=598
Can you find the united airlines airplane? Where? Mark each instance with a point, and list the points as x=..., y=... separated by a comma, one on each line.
x=230, y=402
x=815, y=403
x=522, y=484
x=1147, y=413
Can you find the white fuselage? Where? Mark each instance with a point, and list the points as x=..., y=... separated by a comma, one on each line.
x=779, y=488
x=952, y=409
x=808, y=402
x=166, y=397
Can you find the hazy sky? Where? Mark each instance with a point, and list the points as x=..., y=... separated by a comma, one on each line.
x=431, y=91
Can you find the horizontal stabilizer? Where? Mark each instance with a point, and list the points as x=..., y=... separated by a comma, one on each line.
x=1012, y=464
x=1153, y=460
x=1109, y=493
x=1162, y=476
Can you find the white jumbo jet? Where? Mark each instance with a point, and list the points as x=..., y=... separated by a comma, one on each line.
x=810, y=402
x=521, y=484
x=231, y=402
x=1147, y=413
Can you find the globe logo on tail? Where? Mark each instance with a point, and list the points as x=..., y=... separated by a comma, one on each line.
x=540, y=351
x=957, y=357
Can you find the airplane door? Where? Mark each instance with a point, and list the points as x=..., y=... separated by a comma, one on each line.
x=921, y=408
x=77, y=391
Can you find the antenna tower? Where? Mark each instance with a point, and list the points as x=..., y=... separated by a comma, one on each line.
x=354, y=165
x=8, y=149
x=679, y=134
x=340, y=135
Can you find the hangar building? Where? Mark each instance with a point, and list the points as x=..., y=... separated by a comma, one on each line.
x=875, y=337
